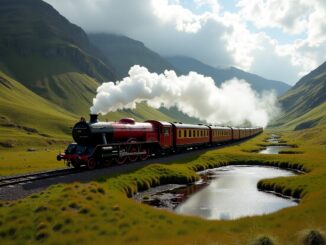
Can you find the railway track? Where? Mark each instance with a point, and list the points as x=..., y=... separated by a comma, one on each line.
x=25, y=178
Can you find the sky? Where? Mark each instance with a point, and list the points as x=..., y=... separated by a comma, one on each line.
x=277, y=39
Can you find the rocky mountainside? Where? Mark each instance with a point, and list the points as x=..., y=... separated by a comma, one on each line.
x=186, y=64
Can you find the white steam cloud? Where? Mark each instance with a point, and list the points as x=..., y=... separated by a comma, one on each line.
x=234, y=103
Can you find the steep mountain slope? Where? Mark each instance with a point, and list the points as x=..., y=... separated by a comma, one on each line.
x=186, y=64
x=26, y=118
x=304, y=104
x=309, y=92
x=39, y=46
x=314, y=118
x=123, y=52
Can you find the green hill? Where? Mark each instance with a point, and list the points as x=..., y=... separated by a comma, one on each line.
x=314, y=118
x=304, y=105
x=28, y=119
x=39, y=48
x=187, y=64
x=122, y=52
x=308, y=93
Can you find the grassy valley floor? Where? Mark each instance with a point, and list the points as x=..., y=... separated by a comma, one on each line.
x=101, y=211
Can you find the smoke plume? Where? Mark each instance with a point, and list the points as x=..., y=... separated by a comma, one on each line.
x=233, y=103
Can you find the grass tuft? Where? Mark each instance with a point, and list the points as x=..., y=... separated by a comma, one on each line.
x=263, y=240
x=313, y=237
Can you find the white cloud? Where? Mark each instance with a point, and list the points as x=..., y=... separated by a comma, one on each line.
x=290, y=15
x=305, y=17
x=214, y=37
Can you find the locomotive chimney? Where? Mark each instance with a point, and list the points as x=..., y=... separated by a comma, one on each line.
x=93, y=118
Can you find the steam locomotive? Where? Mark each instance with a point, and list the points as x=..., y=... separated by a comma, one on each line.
x=126, y=140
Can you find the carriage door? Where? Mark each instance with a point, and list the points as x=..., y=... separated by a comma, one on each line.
x=166, y=137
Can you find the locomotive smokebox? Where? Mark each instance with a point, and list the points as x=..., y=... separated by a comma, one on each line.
x=93, y=118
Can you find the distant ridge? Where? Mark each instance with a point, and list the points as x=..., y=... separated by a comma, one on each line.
x=187, y=64
x=122, y=52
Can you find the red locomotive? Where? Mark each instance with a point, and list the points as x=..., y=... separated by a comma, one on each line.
x=126, y=140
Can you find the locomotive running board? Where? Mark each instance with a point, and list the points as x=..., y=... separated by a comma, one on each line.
x=124, y=154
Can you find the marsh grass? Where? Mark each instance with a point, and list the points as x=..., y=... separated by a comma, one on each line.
x=99, y=211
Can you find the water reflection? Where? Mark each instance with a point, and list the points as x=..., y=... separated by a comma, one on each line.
x=232, y=193
x=273, y=149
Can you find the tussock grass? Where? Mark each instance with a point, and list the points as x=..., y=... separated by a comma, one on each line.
x=263, y=240
x=313, y=237
x=99, y=211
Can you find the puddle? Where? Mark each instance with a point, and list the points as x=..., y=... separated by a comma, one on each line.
x=273, y=149
x=223, y=193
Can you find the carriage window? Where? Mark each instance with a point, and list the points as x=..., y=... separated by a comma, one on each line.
x=194, y=133
x=166, y=131
x=185, y=133
x=189, y=133
x=179, y=133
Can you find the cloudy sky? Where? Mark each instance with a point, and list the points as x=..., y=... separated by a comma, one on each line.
x=278, y=39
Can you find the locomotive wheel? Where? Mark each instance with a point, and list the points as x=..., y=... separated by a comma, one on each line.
x=121, y=160
x=132, y=149
x=143, y=157
x=91, y=163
